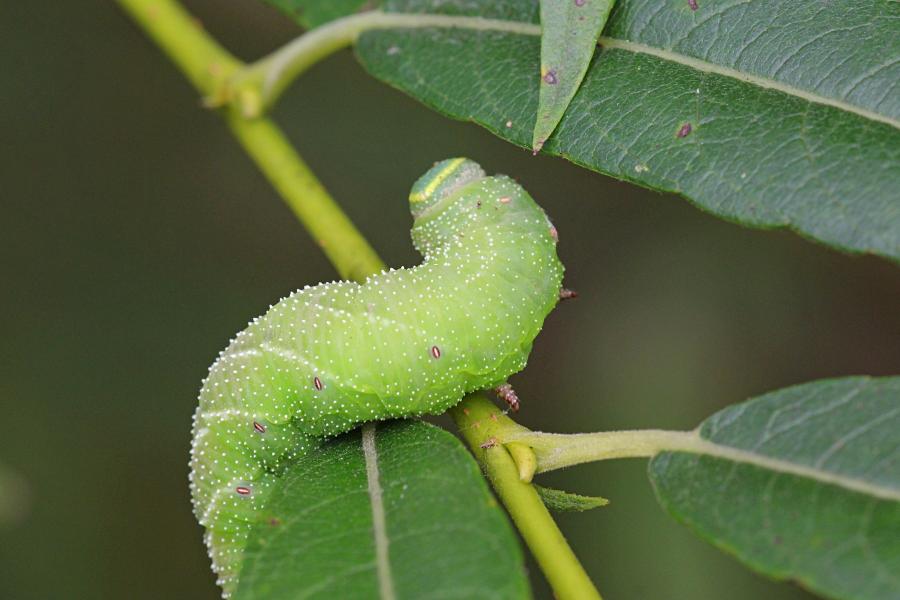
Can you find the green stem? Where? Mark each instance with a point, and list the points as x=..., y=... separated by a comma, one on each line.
x=344, y=245
x=256, y=88
x=485, y=428
x=199, y=57
x=557, y=450
x=208, y=66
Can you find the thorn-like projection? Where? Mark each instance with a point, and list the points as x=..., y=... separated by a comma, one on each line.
x=508, y=395
x=567, y=294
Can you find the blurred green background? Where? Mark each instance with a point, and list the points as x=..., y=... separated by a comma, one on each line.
x=136, y=239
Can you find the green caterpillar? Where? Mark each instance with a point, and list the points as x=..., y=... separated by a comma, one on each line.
x=406, y=342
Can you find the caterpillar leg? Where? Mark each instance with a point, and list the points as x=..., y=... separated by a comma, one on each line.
x=508, y=395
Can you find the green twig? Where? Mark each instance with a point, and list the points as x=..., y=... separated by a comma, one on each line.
x=208, y=67
x=484, y=427
x=344, y=245
x=199, y=57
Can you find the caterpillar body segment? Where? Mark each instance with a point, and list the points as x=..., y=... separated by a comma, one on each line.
x=406, y=342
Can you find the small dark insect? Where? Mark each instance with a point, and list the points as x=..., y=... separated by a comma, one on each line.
x=435, y=352
x=489, y=443
x=685, y=130
x=580, y=2
x=317, y=383
x=243, y=491
x=550, y=78
x=693, y=4
x=566, y=294
x=508, y=395
x=259, y=427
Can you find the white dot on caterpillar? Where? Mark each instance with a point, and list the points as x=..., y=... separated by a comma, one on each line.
x=317, y=383
x=435, y=352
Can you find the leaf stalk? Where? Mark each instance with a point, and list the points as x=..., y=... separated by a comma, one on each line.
x=256, y=88
x=559, y=450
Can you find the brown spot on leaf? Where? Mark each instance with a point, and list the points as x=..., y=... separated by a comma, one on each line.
x=685, y=130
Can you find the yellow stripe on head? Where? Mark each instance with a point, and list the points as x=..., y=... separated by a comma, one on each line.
x=434, y=178
x=442, y=179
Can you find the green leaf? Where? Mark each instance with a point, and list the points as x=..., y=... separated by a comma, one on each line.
x=804, y=485
x=569, y=32
x=562, y=501
x=438, y=529
x=312, y=13
x=767, y=113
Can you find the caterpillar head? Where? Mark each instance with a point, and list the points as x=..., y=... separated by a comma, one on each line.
x=441, y=180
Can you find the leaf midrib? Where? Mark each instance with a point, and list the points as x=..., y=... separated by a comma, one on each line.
x=379, y=524
x=384, y=20
x=692, y=443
